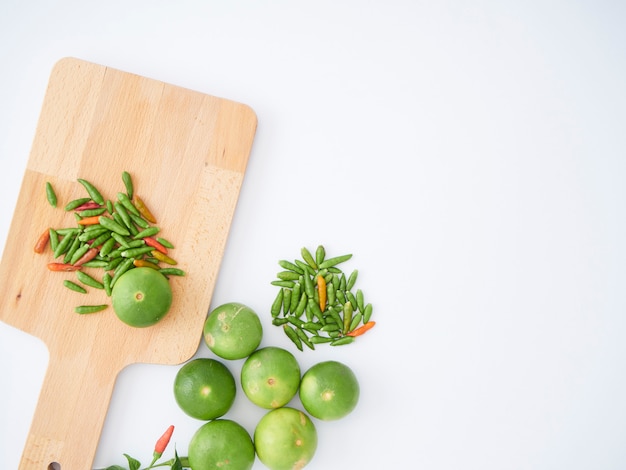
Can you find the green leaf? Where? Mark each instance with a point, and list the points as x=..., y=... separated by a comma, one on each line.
x=134, y=464
x=177, y=465
x=115, y=467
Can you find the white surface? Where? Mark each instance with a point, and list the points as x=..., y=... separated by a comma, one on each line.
x=472, y=157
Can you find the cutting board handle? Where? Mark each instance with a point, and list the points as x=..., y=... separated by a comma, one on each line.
x=70, y=414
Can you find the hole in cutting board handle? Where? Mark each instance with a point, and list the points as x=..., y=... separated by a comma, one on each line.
x=54, y=466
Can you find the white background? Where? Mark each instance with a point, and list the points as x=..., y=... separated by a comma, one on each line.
x=472, y=157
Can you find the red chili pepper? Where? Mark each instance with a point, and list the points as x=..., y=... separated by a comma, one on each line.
x=155, y=244
x=62, y=267
x=162, y=443
x=362, y=329
x=91, y=254
x=42, y=241
x=88, y=205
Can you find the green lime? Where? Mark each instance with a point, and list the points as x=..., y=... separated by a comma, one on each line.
x=221, y=443
x=285, y=439
x=233, y=331
x=141, y=297
x=204, y=388
x=270, y=377
x=329, y=390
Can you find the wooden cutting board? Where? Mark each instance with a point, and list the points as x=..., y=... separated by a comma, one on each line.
x=187, y=153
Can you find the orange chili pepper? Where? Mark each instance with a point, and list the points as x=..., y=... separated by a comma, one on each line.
x=362, y=329
x=42, y=241
x=321, y=291
x=63, y=267
x=143, y=210
x=155, y=244
x=90, y=220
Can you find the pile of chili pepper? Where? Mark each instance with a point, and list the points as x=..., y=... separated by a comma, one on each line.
x=113, y=235
x=316, y=303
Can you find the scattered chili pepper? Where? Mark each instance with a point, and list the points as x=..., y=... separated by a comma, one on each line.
x=88, y=256
x=321, y=291
x=142, y=263
x=93, y=220
x=88, y=205
x=163, y=257
x=59, y=267
x=42, y=241
x=50, y=194
x=155, y=244
x=362, y=329
x=128, y=183
x=86, y=309
x=315, y=286
x=92, y=191
x=143, y=210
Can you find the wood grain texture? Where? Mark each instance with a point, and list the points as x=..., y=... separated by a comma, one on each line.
x=187, y=153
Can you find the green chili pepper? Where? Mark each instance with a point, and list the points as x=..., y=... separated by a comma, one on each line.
x=305, y=339
x=76, y=203
x=347, y=316
x=76, y=254
x=64, y=244
x=121, y=269
x=277, y=304
x=306, y=256
x=50, y=194
x=92, y=212
x=290, y=266
x=54, y=239
x=286, y=300
x=287, y=284
x=293, y=336
x=136, y=252
x=113, y=226
x=352, y=280
x=84, y=309
x=73, y=286
x=92, y=191
x=320, y=339
x=288, y=276
x=88, y=280
x=148, y=232
x=301, y=305
x=140, y=221
x=128, y=182
x=107, y=246
x=128, y=204
x=334, y=261
x=308, y=286
x=367, y=313
x=320, y=254
x=295, y=297
x=123, y=213
x=72, y=249
x=356, y=320
x=172, y=272
x=341, y=341
x=164, y=242
x=106, y=282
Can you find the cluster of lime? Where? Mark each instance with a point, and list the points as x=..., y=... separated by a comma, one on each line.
x=285, y=437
